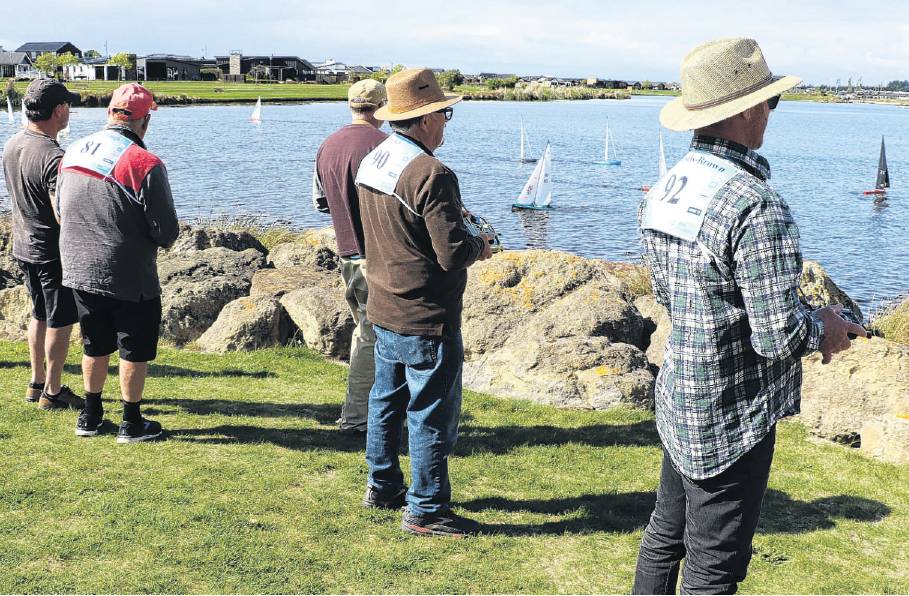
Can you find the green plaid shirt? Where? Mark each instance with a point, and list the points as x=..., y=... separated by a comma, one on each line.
x=732, y=364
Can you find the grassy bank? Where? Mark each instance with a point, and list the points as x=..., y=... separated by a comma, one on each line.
x=254, y=491
x=176, y=92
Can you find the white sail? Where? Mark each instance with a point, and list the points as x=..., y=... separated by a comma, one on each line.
x=24, y=117
x=663, y=169
x=9, y=110
x=538, y=189
x=257, y=111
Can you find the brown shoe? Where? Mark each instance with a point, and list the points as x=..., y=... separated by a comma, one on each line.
x=65, y=399
x=34, y=391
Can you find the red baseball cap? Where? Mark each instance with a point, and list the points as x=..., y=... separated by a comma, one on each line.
x=131, y=102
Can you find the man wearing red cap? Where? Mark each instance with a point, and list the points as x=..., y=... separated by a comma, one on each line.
x=115, y=207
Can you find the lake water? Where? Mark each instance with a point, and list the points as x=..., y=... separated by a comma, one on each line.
x=822, y=156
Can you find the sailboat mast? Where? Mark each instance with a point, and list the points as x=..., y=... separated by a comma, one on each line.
x=522, y=139
x=606, y=144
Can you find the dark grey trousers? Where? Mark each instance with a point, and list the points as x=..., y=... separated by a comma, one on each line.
x=710, y=523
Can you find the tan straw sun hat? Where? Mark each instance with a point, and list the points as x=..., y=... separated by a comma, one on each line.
x=413, y=92
x=720, y=79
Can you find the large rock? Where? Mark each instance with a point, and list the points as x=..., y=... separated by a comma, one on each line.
x=322, y=318
x=867, y=381
x=247, y=324
x=15, y=313
x=659, y=325
x=315, y=249
x=819, y=290
x=556, y=329
x=197, y=285
x=202, y=238
x=278, y=282
x=10, y=273
x=887, y=438
x=575, y=372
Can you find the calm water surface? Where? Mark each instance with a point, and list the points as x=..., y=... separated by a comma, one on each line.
x=822, y=157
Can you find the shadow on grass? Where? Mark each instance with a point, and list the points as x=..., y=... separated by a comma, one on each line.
x=504, y=439
x=626, y=512
x=300, y=439
x=321, y=413
x=162, y=370
x=781, y=514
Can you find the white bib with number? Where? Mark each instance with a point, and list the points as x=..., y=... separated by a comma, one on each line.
x=677, y=204
x=382, y=167
x=99, y=152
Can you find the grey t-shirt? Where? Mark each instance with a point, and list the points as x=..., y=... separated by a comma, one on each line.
x=30, y=164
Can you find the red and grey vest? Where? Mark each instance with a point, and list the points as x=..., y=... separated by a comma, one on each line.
x=111, y=156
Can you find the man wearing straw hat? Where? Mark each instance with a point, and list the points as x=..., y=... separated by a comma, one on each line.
x=419, y=251
x=723, y=251
x=334, y=192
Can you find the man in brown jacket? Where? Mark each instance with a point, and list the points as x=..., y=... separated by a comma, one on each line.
x=419, y=251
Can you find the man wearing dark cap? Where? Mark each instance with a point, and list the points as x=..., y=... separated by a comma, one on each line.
x=116, y=210
x=31, y=160
x=419, y=250
x=334, y=192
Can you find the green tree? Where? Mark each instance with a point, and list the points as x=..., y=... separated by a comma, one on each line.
x=67, y=59
x=380, y=75
x=47, y=63
x=92, y=54
x=645, y=84
x=397, y=68
x=121, y=60
x=450, y=79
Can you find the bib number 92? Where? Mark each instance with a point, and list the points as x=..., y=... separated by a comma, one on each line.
x=672, y=190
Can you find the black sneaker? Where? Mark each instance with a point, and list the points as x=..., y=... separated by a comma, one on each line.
x=65, y=399
x=88, y=425
x=443, y=524
x=144, y=430
x=374, y=499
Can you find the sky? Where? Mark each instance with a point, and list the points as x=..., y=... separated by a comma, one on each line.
x=631, y=39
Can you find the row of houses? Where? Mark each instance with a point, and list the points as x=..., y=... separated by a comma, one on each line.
x=238, y=67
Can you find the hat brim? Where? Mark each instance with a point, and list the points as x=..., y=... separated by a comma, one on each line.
x=675, y=116
x=384, y=113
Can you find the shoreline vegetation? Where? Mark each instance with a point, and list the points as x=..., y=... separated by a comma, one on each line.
x=97, y=93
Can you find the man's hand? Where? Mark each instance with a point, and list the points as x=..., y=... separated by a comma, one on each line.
x=836, y=332
x=487, y=247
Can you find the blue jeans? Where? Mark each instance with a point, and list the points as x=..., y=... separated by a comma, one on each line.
x=418, y=377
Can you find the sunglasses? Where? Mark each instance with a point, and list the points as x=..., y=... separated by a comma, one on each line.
x=448, y=113
x=773, y=102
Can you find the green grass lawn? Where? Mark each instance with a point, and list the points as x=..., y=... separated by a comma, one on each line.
x=255, y=491
x=208, y=90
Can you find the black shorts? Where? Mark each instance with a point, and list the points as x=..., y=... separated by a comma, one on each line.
x=51, y=301
x=108, y=324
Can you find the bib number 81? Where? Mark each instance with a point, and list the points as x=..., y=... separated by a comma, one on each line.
x=671, y=184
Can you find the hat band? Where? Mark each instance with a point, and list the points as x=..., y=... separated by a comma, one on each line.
x=732, y=96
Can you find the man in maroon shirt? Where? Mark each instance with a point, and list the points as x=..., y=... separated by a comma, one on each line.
x=334, y=192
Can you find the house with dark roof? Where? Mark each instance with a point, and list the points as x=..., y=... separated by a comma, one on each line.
x=276, y=68
x=168, y=67
x=36, y=48
x=15, y=65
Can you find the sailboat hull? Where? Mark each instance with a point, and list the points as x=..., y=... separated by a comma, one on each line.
x=876, y=191
x=613, y=162
x=527, y=161
x=520, y=206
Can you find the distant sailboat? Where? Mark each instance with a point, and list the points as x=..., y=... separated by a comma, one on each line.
x=614, y=160
x=662, y=166
x=883, y=174
x=257, y=112
x=537, y=193
x=9, y=110
x=524, y=141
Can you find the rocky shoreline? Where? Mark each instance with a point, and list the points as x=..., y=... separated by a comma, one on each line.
x=545, y=326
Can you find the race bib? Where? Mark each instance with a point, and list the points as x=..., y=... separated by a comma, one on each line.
x=382, y=167
x=677, y=204
x=99, y=152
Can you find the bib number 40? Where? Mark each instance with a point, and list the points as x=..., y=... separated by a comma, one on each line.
x=672, y=190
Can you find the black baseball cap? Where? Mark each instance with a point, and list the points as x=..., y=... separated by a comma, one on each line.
x=48, y=94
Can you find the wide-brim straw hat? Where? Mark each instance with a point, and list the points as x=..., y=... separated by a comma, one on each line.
x=720, y=79
x=411, y=93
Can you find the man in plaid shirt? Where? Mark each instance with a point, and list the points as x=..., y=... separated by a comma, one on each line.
x=723, y=251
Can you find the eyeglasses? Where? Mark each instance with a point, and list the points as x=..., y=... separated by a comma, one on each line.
x=448, y=113
x=773, y=102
